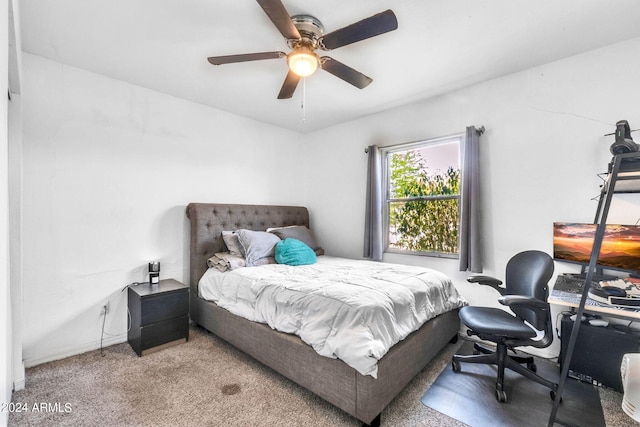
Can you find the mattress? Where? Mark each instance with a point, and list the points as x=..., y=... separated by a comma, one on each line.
x=353, y=310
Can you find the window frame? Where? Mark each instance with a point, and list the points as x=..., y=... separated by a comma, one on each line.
x=385, y=155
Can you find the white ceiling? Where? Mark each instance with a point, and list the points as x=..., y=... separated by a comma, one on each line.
x=439, y=46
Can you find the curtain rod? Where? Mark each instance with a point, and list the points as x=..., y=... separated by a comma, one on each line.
x=479, y=131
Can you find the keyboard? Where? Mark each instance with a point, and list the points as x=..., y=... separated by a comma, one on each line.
x=569, y=283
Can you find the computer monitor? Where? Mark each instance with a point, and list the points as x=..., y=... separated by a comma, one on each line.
x=620, y=248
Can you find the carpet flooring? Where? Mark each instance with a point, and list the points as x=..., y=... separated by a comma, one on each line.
x=469, y=396
x=207, y=382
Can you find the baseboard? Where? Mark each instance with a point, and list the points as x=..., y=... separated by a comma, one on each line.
x=19, y=382
x=19, y=385
x=72, y=351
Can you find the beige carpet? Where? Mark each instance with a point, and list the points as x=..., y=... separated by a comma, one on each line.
x=206, y=382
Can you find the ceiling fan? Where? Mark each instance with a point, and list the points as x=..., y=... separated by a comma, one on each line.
x=304, y=34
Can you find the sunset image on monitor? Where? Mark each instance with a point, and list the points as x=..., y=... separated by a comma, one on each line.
x=620, y=247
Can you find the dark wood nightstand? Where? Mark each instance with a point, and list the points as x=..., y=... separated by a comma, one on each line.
x=159, y=315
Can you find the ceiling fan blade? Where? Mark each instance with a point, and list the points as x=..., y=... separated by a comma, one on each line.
x=344, y=72
x=278, y=14
x=372, y=26
x=229, y=59
x=289, y=85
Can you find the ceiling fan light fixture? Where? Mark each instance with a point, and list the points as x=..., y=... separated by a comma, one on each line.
x=303, y=62
x=304, y=34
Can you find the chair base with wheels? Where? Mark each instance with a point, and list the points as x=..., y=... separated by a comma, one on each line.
x=502, y=360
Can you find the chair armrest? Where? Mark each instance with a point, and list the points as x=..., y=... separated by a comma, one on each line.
x=488, y=281
x=522, y=301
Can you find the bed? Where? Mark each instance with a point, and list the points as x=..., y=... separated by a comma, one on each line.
x=362, y=396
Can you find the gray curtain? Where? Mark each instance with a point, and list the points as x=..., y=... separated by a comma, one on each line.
x=373, y=238
x=470, y=248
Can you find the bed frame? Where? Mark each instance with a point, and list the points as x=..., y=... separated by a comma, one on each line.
x=364, y=397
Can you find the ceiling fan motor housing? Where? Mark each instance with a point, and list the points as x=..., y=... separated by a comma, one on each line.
x=310, y=29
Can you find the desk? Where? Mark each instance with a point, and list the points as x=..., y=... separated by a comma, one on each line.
x=568, y=291
x=598, y=350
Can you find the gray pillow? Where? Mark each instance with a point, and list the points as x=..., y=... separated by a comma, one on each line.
x=257, y=245
x=231, y=241
x=298, y=232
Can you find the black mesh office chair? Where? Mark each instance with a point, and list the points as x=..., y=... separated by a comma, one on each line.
x=525, y=293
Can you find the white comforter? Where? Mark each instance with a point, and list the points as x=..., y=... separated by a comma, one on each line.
x=352, y=310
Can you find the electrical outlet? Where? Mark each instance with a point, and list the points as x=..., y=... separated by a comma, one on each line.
x=105, y=309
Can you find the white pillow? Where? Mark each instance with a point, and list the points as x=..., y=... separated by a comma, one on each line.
x=257, y=245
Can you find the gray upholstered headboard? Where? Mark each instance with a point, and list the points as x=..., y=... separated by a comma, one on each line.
x=209, y=219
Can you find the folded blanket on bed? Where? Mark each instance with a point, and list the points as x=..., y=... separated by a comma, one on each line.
x=348, y=309
x=225, y=261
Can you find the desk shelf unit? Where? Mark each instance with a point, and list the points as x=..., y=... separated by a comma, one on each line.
x=623, y=178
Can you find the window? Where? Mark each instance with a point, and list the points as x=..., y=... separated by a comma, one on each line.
x=422, y=202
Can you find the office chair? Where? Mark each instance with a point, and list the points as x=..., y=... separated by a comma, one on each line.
x=525, y=294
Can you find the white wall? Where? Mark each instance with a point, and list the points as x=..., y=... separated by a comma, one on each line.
x=15, y=231
x=6, y=338
x=108, y=171
x=540, y=155
x=109, y=168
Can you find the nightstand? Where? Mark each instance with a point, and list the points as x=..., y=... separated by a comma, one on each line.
x=159, y=315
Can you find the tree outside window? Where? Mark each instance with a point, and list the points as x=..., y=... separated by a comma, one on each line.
x=423, y=197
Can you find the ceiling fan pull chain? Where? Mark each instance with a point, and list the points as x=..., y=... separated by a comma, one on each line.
x=304, y=96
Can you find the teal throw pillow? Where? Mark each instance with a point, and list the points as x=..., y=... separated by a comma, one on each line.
x=294, y=252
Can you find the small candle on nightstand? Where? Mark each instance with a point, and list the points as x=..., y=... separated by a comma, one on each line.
x=154, y=272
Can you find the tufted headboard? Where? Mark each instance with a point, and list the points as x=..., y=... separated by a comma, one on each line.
x=209, y=219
